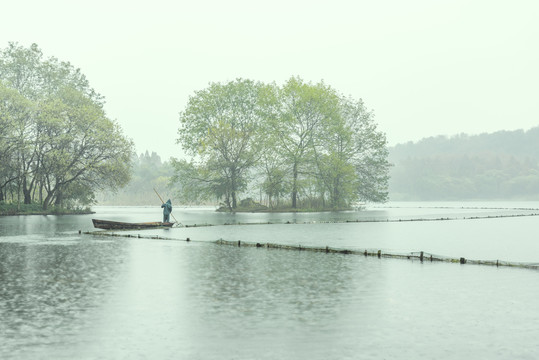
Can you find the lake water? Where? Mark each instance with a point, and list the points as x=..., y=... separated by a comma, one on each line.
x=65, y=295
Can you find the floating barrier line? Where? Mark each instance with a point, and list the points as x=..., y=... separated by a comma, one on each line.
x=369, y=220
x=421, y=256
x=121, y=233
x=455, y=207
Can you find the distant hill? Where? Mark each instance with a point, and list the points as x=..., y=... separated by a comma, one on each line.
x=496, y=166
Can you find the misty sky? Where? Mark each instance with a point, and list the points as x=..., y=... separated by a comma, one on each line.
x=426, y=67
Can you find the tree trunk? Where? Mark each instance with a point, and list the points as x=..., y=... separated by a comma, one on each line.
x=227, y=201
x=19, y=195
x=335, y=193
x=47, y=201
x=295, y=185
x=233, y=188
x=59, y=199
x=234, y=201
x=26, y=191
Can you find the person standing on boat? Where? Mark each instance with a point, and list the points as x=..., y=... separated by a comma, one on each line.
x=167, y=209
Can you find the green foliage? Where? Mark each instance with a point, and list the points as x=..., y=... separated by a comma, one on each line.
x=15, y=111
x=195, y=183
x=35, y=78
x=302, y=139
x=301, y=111
x=220, y=126
x=58, y=147
x=501, y=165
x=81, y=146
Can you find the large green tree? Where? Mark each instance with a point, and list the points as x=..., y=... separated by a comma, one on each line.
x=296, y=123
x=15, y=113
x=333, y=150
x=367, y=151
x=65, y=148
x=220, y=130
x=81, y=149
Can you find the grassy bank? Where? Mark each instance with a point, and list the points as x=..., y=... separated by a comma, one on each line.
x=7, y=209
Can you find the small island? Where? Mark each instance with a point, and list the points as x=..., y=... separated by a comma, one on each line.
x=300, y=146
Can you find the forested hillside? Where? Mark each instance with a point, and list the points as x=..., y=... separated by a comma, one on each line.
x=501, y=165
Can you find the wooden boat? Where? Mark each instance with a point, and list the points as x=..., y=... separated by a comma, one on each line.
x=118, y=225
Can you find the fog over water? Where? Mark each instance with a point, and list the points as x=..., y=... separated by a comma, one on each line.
x=65, y=295
x=425, y=68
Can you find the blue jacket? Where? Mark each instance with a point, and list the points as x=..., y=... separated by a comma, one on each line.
x=167, y=207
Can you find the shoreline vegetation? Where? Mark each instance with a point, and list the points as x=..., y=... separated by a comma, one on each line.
x=10, y=209
x=279, y=210
x=250, y=206
x=7, y=209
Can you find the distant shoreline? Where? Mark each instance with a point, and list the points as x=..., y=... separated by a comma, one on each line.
x=33, y=209
x=283, y=210
x=47, y=213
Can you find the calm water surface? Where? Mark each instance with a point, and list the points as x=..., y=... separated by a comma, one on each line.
x=70, y=296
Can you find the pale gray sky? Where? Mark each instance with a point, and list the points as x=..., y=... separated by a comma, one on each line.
x=426, y=67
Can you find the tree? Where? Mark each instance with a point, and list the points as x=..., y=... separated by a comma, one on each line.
x=37, y=78
x=201, y=182
x=296, y=123
x=304, y=139
x=333, y=150
x=219, y=128
x=274, y=175
x=15, y=112
x=62, y=144
x=369, y=152
x=80, y=149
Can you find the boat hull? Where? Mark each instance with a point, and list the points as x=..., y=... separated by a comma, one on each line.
x=118, y=225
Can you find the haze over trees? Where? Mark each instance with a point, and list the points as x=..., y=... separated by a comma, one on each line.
x=57, y=146
x=148, y=172
x=501, y=165
x=300, y=145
